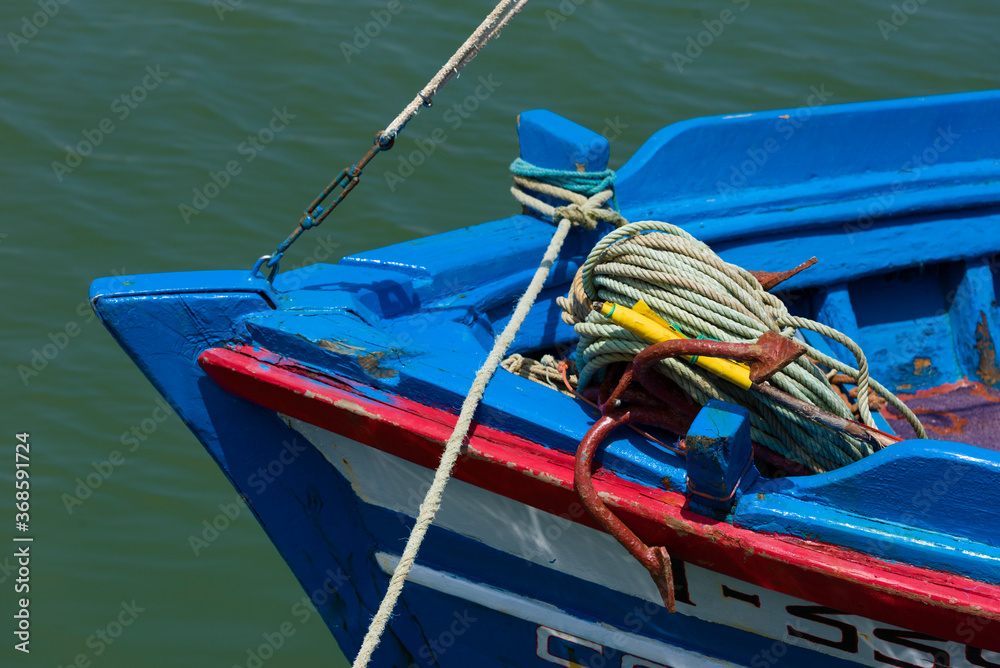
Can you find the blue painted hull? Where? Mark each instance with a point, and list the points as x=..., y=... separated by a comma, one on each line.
x=412, y=322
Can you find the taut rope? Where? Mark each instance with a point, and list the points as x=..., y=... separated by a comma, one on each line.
x=315, y=213
x=486, y=32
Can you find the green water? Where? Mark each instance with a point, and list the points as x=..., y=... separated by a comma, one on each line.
x=199, y=79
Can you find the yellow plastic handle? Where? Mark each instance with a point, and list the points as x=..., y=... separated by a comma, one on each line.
x=646, y=324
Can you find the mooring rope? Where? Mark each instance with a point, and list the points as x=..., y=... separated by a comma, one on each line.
x=432, y=500
x=488, y=30
x=586, y=212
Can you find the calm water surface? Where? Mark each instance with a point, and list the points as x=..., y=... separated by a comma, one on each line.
x=200, y=78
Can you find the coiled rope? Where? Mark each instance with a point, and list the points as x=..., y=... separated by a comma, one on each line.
x=691, y=287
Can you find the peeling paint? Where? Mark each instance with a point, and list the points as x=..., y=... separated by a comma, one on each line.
x=357, y=409
x=544, y=477
x=371, y=363
x=309, y=394
x=340, y=347
x=920, y=364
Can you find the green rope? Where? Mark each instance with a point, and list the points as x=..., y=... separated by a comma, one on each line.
x=691, y=287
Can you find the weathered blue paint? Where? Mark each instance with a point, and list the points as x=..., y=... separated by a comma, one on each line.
x=817, y=166
x=438, y=368
x=973, y=314
x=719, y=457
x=551, y=141
x=416, y=319
x=917, y=502
x=303, y=513
x=920, y=327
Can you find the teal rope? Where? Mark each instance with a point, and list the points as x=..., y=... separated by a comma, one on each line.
x=585, y=183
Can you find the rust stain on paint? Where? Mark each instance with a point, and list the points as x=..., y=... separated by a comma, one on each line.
x=371, y=363
x=987, y=370
x=340, y=347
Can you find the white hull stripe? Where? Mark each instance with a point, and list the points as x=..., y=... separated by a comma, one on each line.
x=504, y=524
x=551, y=617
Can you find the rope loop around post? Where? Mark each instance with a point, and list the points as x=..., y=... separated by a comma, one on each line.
x=587, y=194
x=584, y=183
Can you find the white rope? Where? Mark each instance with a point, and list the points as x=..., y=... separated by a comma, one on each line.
x=545, y=371
x=432, y=500
x=487, y=31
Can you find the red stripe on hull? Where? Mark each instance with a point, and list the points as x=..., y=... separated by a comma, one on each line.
x=934, y=602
